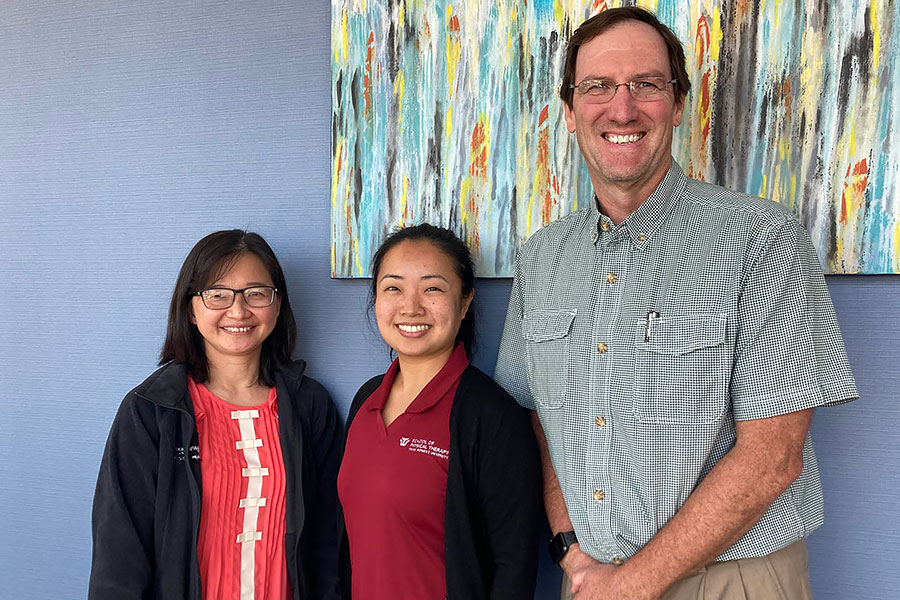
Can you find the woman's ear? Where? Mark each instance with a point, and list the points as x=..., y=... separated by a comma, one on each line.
x=466, y=303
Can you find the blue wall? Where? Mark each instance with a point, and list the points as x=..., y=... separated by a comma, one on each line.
x=130, y=129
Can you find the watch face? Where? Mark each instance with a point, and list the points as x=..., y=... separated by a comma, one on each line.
x=559, y=545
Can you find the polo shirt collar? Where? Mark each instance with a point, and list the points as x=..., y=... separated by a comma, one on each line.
x=645, y=221
x=431, y=394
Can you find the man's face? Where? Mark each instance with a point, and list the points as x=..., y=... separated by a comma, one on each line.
x=625, y=143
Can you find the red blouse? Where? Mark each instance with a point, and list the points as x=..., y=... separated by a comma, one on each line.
x=241, y=540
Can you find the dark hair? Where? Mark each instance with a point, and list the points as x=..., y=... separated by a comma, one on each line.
x=207, y=261
x=605, y=20
x=447, y=242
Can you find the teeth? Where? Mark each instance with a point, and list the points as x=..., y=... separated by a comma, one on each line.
x=624, y=139
x=237, y=329
x=413, y=328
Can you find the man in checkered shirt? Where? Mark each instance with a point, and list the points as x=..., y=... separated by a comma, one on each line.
x=673, y=339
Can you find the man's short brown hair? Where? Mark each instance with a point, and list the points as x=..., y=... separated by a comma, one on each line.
x=604, y=21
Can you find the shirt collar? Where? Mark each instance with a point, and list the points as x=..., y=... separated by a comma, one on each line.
x=439, y=385
x=645, y=221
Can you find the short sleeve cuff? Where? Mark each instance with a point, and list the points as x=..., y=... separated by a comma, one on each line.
x=763, y=407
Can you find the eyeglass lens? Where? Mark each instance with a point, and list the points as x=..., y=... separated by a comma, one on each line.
x=257, y=297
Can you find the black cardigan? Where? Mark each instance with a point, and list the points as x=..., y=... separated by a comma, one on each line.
x=493, y=510
x=147, y=503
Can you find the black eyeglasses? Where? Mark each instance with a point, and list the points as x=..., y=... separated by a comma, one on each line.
x=258, y=296
x=601, y=91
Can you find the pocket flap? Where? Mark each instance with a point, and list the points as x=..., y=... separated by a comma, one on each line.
x=682, y=334
x=541, y=325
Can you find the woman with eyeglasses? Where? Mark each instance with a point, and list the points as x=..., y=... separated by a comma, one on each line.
x=440, y=479
x=218, y=478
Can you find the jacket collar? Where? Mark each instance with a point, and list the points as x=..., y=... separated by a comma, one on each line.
x=167, y=386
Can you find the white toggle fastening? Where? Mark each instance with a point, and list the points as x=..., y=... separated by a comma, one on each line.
x=245, y=414
x=255, y=471
x=249, y=536
x=251, y=502
x=244, y=444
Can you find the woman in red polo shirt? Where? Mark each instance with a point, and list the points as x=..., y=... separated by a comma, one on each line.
x=440, y=479
x=218, y=478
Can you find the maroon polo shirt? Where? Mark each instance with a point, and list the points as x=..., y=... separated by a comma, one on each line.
x=392, y=485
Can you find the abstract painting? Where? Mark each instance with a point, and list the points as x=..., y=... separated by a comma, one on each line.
x=447, y=112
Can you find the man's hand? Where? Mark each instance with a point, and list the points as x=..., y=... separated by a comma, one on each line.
x=599, y=581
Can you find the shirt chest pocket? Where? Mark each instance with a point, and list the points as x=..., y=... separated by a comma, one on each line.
x=547, y=341
x=681, y=370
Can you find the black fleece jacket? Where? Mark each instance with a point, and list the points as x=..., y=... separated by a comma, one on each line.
x=147, y=503
x=493, y=511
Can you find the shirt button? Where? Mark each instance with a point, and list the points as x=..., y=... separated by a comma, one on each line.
x=618, y=560
x=642, y=238
x=599, y=495
x=611, y=278
x=600, y=421
x=604, y=225
x=602, y=348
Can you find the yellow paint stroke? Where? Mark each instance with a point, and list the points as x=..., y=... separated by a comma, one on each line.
x=448, y=122
x=336, y=170
x=715, y=36
x=359, y=267
x=453, y=48
x=464, y=200
x=897, y=247
x=399, y=89
x=876, y=40
x=333, y=258
x=344, y=36
x=762, y=189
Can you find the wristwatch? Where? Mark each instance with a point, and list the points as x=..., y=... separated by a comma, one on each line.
x=560, y=544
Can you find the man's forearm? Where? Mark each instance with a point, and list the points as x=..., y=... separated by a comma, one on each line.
x=723, y=507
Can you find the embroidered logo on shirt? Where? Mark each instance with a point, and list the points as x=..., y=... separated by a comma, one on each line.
x=424, y=446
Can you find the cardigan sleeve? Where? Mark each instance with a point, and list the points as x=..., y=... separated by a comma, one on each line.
x=508, y=486
x=325, y=441
x=123, y=511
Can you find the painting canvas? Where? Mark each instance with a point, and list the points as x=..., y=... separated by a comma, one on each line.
x=448, y=112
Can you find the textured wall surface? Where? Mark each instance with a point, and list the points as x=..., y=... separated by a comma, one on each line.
x=130, y=129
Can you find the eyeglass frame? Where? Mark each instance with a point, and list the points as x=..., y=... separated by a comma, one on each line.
x=234, y=294
x=628, y=84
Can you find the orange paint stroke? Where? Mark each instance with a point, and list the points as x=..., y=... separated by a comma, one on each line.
x=479, y=155
x=704, y=104
x=855, y=183
x=367, y=76
x=786, y=96
x=543, y=188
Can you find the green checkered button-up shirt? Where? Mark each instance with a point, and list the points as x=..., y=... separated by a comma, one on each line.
x=640, y=345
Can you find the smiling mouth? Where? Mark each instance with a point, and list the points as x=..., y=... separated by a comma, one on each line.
x=413, y=328
x=237, y=329
x=623, y=139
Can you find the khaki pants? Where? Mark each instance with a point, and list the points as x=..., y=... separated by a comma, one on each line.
x=782, y=575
